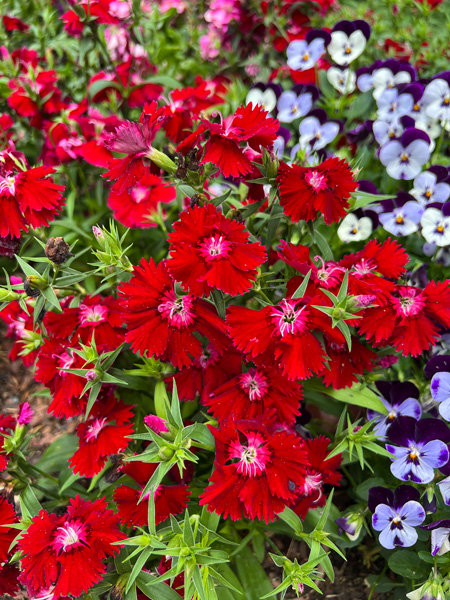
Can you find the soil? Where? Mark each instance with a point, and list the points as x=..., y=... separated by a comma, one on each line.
x=17, y=385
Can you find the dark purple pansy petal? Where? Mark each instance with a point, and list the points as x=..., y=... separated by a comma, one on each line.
x=402, y=431
x=437, y=364
x=344, y=525
x=347, y=27
x=440, y=172
x=367, y=186
x=412, y=134
x=384, y=387
x=446, y=209
x=314, y=34
x=320, y=114
x=407, y=122
x=405, y=493
x=444, y=75
x=413, y=89
x=402, y=390
x=429, y=505
x=445, y=469
x=380, y=495
x=428, y=430
x=363, y=26
x=436, y=524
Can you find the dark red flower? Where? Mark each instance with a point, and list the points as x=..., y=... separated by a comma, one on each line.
x=307, y=192
x=7, y=534
x=96, y=315
x=408, y=319
x=321, y=471
x=67, y=552
x=28, y=199
x=104, y=433
x=206, y=373
x=9, y=584
x=251, y=394
x=257, y=468
x=14, y=24
x=163, y=324
x=37, y=98
x=344, y=366
x=210, y=251
x=169, y=499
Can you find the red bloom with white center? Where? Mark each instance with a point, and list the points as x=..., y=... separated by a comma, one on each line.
x=321, y=471
x=161, y=323
x=207, y=373
x=65, y=387
x=409, y=319
x=209, y=251
x=67, y=552
x=104, y=433
x=257, y=468
x=307, y=192
x=249, y=124
x=96, y=315
x=281, y=335
x=28, y=199
x=7, y=534
x=134, y=206
x=251, y=394
x=344, y=366
x=169, y=499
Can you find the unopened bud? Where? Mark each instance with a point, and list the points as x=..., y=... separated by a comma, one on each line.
x=57, y=250
x=161, y=160
x=8, y=295
x=165, y=453
x=91, y=375
x=99, y=235
x=33, y=284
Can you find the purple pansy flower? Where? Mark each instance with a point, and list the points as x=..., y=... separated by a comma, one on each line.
x=420, y=447
x=351, y=523
x=400, y=400
x=440, y=530
x=391, y=74
x=437, y=364
x=430, y=186
x=396, y=514
x=343, y=80
x=393, y=105
x=440, y=390
x=436, y=225
x=405, y=157
x=291, y=106
x=385, y=131
x=348, y=40
x=303, y=54
x=403, y=220
x=436, y=97
x=317, y=131
x=365, y=76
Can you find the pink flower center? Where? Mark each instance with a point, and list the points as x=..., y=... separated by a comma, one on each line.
x=46, y=594
x=215, y=247
x=409, y=304
x=65, y=361
x=139, y=194
x=178, y=311
x=252, y=457
x=254, y=384
x=70, y=536
x=313, y=483
x=288, y=319
x=93, y=430
x=209, y=357
x=92, y=314
x=364, y=267
x=8, y=184
x=318, y=181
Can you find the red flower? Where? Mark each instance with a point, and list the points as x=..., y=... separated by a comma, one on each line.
x=306, y=192
x=96, y=315
x=6, y=422
x=134, y=206
x=210, y=251
x=7, y=534
x=344, y=366
x=409, y=318
x=65, y=387
x=14, y=24
x=206, y=373
x=169, y=499
x=22, y=330
x=281, y=335
x=321, y=471
x=38, y=98
x=248, y=124
x=28, y=199
x=256, y=470
x=251, y=394
x=162, y=324
x=9, y=583
x=103, y=434
x=68, y=551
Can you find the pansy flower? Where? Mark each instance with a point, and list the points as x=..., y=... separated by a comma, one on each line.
x=354, y=229
x=317, y=131
x=400, y=400
x=303, y=54
x=405, y=157
x=440, y=532
x=393, y=104
x=68, y=551
x=385, y=131
x=348, y=40
x=396, y=514
x=133, y=510
x=436, y=97
x=430, y=186
x=306, y=192
x=440, y=390
x=390, y=74
x=404, y=219
x=343, y=80
x=163, y=324
x=296, y=103
x=420, y=447
x=258, y=467
x=436, y=225
x=208, y=251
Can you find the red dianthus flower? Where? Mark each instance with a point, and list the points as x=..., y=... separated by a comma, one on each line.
x=162, y=324
x=210, y=251
x=67, y=552
x=28, y=199
x=7, y=534
x=306, y=192
x=257, y=468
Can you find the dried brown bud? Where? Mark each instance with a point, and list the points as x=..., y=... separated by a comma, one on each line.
x=57, y=250
x=30, y=291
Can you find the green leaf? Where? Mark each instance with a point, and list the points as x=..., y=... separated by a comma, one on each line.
x=161, y=399
x=26, y=268
x=138, y=565
x=253, y=577
x=100, y=85
x=29, y=503
x=358, y=394
x=407, y=564
x=361, y=106
x=300, y=291
x=293, y=520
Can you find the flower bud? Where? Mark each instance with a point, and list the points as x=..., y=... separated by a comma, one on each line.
x=57, y=250
x=165, y=453
x=161, y=160
x=8, y=295
x=99, y=236
x=34, y=283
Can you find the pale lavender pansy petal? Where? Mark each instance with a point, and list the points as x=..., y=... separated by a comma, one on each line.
x=410, y=408
x=444, y=409
x=390, y=152
x=382, y=517
x=444, y=486
x=439, y=541
x=404, y=537
x=398, y=452
x=329, y=132
x=440, y=386
x=412, y=513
